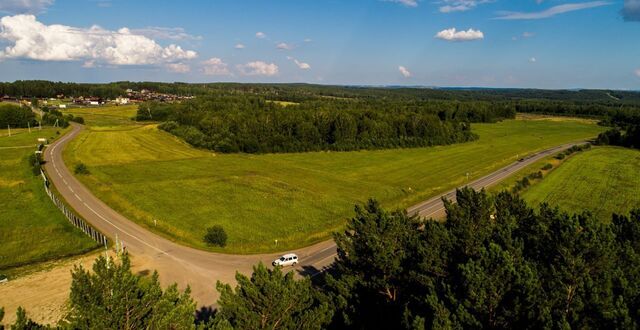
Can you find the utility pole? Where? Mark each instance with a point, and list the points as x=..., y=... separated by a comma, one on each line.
x=29, y=126
x=40, y=125
x=9, y=128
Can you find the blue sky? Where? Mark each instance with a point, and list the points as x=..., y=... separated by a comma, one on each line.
x=488, y=43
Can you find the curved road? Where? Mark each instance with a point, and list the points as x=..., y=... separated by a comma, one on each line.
x=201, y=269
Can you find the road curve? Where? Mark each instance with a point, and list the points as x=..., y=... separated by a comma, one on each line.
x=201, y=269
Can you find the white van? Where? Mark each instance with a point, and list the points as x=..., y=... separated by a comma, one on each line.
x=286, y=260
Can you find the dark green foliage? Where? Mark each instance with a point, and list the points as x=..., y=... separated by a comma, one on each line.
x=23, y=322
x=630, y=138
x=216, y=236
x=53, y=116
x=251, y=124
x=1, y=317
x=494, y=263
x=76, y=119
x=522, y=184
x=572, y=150
x=271, y=300
x=535, y=176
x=547, y=167
x=374, y=256
x=35, y=161
x=81, y=168
x=16, y=116
x=112, y=297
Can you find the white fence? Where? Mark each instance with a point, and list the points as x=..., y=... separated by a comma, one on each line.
x=73, y=218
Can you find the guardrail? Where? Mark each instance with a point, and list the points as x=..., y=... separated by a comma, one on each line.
x=72, y=217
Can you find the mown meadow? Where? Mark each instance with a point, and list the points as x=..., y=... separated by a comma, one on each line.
x=298, y=199
x=32, y=229
x=602, y=181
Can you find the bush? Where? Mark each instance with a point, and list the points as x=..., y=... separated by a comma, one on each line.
x=535, y=176
x=81, y=169
x=35, y=160
x=560, y=156
x=547, y=167
x=216, y=236
x=78, y=120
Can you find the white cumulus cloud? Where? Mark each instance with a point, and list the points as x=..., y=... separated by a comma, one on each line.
x=24, y=6
x=215, y=67
x=404, y=71
x=258, y=68
x=260, y=35
x=31, y=39
x=453, y=35
x=178, y=67
x=239, y=46
x=637, y=73
x=533, y=60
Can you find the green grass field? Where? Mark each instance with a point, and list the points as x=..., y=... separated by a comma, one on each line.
x=32, y=229
x=110, y=115
x=603, y=180
x=298, y=199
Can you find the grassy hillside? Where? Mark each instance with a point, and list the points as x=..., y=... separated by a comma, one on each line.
x=31, y=227
x=603, y=180
x=105, y=115
x=298, y=199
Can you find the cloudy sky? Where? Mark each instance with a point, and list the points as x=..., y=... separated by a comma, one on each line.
x=487, y=43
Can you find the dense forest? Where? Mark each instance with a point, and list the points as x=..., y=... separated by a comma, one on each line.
x=495, y=263
x=255, y=125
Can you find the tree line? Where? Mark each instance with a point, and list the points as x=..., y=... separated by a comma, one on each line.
x=305, y=92
x=495, y=263
x=238, y=123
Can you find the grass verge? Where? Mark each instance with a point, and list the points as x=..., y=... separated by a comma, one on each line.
x=32, y=229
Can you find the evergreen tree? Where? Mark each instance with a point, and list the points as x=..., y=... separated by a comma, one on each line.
x=271, y=300
x=112, y=297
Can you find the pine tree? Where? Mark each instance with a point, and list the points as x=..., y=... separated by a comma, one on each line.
x=112, y=297
x=271, y=300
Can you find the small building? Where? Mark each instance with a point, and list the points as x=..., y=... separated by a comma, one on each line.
x=94, y=103
x=62, y=106
x=122, y=100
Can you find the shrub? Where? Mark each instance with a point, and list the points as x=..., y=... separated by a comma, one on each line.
x=535, y=176
x=78, y=120
x=168, y=126
x=81, y=169
x=560, y=156
x=35, y=160
x=547, y=167
x=216, y=236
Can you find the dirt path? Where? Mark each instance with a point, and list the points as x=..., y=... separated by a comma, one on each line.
x=44, y=292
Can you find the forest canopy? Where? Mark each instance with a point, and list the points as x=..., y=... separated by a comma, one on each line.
x=255, y=125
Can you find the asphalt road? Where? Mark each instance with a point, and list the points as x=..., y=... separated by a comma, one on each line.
x=200, y=269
